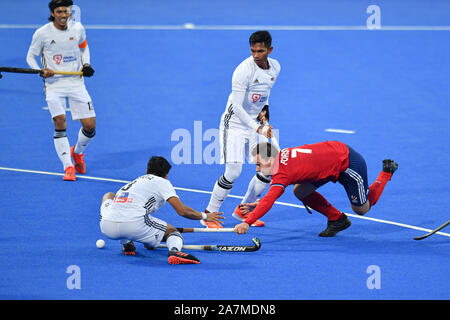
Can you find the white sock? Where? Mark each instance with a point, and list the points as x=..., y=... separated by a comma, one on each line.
x=218, y=196
x=223, y=186
x=174, y=241
x=62, y=148
x=84, y=138
x=256, y=188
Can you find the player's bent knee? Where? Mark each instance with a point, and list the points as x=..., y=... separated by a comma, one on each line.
x=60, y=122
x=108, y=195
x=361, y=210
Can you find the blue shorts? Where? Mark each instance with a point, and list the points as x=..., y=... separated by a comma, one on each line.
x=354, y=179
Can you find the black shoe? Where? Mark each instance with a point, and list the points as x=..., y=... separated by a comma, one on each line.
x=178, y=257
x=333, y=227
x=390, y=166
x=129, y=249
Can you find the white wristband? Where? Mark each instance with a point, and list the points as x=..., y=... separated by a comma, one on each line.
x=255, y=126
x=204, y=216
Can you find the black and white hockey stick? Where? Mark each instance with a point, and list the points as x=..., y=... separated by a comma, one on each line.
x=35, y=71
x=224, y=248
x=186, y=230
x=433, y=231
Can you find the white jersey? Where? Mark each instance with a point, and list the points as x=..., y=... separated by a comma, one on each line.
x=251, y=87
x=143, y=196
x=60, y=51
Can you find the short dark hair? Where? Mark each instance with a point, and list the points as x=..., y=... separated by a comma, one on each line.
x=261, y=36
x=266, y=150
x=52, y=5
x=158, y=166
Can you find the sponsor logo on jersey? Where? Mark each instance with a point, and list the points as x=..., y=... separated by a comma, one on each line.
x=57, y=58
x=69, y=59
x=123, y=198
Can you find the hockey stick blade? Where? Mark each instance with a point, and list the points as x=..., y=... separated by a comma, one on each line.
x=433, y=231
x=19, y=70
x=227, y=248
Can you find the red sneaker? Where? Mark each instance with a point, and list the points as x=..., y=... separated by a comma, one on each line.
x=78, y=160
x=70, y=174
x=182, y=258
x=210, y=225
x=241, y=216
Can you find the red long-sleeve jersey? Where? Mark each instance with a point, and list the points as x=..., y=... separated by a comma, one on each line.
x=307, y=163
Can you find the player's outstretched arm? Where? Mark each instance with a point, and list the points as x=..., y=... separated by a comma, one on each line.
x=189, y=213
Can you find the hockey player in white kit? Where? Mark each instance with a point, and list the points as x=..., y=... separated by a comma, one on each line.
x=62, y=46
x=242, y=125
x=127, y=215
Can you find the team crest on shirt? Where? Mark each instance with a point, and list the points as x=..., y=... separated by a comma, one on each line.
x=256, y=97
x=57, y=58
x=354, y=199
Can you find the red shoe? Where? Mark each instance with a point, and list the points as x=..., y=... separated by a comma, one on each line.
x=78, y=161
x=70, y=174
x=182, y=258
x=210, y=225
x=241, y=216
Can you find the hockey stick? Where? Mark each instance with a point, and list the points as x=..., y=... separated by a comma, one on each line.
x=433, y=231
x=36, y=71
x=224, y=248
x=185, y=230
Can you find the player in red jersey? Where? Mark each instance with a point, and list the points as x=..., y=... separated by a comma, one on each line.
x=310, y=166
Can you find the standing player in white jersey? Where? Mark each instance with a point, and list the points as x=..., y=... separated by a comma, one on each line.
x=62, y=45
x=242, y=125
x=128, y=214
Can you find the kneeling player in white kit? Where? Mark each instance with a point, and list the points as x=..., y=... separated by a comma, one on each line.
x=127, y=215
x=240, y=126
x=62, y=45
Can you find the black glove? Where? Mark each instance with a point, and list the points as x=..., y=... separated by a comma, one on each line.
x=87, y=70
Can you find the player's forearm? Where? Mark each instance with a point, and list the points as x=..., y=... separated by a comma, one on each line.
x=31, y=60
x=238, y=100
x=264, y=205
x=85, y=55
x=191, y=213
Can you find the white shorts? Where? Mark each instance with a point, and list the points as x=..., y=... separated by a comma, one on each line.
x=149, y=230
x=236, y=144
x=80, y=103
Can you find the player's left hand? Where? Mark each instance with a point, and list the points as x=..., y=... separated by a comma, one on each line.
x=241, y=228
x=87, y=70
x=263, y=116
x=248, y=207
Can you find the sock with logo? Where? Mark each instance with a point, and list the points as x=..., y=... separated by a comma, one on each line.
x=62, y=147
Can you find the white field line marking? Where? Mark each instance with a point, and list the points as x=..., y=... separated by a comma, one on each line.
x=231, y=196
x=190, y=26
x=340, y=131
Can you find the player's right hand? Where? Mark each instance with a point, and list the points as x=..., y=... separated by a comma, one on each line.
x=265, y=130
x=214, y=217
x=47, y=73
